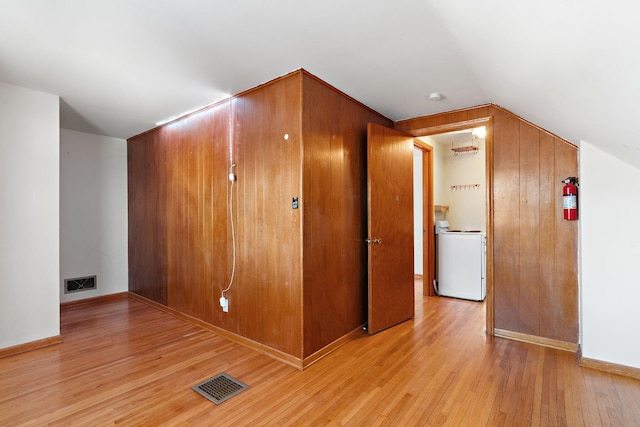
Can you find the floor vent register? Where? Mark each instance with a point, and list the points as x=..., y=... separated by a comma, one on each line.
x=220, y=388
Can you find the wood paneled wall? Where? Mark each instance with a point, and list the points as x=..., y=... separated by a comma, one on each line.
x=146, y=167
x=300, y=280
x=266, y=300
x=535, y=274
x=177, y=222
x=196, y=231
x=335, y=216
x=181, y=249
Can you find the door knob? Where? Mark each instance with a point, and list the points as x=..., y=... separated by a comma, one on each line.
x=374, y=241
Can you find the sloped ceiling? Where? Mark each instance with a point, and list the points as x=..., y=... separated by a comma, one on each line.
x=119, y=66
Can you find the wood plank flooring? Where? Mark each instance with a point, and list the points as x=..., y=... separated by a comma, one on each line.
x=125, y=363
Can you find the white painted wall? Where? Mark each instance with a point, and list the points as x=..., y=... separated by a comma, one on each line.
x=418, y=241
x=93, y=212
x=467, y=207
x=609, y=203
x=29, y=215
x=418, y=195
x=439, y=155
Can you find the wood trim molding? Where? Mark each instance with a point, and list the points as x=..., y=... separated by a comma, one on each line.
x=612, y=368
x=409, y=125
x=260, y=348
x=46, y=342
x=434, y=130
x=412, y=127
x=100, y=298
x=428, y=218
x=532, y=339
x=310, y=360
x=33, y=345
x=489, y=261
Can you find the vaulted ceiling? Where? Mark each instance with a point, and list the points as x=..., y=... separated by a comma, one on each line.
x=119, y=66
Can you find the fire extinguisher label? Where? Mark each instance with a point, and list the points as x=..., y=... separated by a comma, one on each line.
x=569, y=202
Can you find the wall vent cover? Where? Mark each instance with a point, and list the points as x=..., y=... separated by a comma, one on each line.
x=220, y=388
x=79, y=284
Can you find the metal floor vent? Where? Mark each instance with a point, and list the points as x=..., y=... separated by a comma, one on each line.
x=220, y=388
x=80, y=284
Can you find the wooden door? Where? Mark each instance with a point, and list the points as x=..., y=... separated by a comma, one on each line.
x=390, y=227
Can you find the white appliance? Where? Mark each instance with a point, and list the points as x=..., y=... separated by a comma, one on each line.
x=460, y=263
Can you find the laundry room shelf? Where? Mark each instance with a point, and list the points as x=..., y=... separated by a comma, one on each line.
x=465, y=149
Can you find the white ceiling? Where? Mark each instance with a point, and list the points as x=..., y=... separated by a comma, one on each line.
x=119, y=66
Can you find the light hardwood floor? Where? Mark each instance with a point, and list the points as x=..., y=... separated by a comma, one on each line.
x=123, y=362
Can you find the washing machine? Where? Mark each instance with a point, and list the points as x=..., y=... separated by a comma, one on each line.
x=460, y=263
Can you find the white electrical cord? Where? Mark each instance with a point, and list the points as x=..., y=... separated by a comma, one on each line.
x=232, y=179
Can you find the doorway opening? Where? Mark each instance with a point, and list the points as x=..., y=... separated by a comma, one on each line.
x=457, y=189
x=424, y=262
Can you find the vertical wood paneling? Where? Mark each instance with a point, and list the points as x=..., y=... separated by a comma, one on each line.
x=267, y=297
x=219, y=254
x=534, y=249
x=181, y=236
x=506, y=220
x=147, y=219
x=547, y=235
x=181, y=215
x=183, y=171
x=334, y=186
x=196, y=200
x=299, y=288
x=529, y=230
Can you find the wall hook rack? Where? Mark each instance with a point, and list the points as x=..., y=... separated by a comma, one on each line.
x=465, y=187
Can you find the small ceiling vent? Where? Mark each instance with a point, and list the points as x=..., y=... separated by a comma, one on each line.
x=79, y=284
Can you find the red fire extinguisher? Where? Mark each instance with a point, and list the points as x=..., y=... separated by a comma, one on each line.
x=570, y=198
